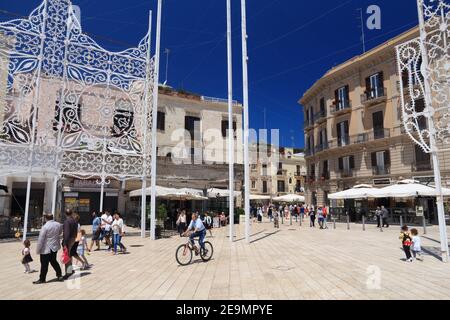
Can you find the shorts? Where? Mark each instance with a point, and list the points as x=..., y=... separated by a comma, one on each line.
x=73, y=250
x=80, y=251
x=96, y=235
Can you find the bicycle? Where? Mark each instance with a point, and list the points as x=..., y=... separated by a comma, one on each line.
x=184, y=252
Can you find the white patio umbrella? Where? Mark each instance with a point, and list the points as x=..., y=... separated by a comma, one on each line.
x=360, y=191
x=160, y=191
x=408, y=189
x=220, y=193
x=259, y=197
x=290, y=198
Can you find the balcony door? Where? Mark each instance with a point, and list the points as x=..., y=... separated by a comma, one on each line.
x=378, y=125
x=342, y=97
x=374, y=85
x=342, y=133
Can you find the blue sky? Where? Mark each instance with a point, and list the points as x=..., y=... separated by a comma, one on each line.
x=292, y=43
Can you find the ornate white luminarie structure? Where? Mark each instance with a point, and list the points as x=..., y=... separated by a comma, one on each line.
x=71, y=107
x=424, y=67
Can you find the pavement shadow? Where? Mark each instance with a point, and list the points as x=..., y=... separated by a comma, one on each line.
x=267, y=235
x=240, y=239
x=432, y=251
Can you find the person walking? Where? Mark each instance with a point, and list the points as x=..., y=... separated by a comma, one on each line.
x=117, y=227
x=312, y=217
x=325, y=216
x=48, y=244
x=384, y=216
x=208, y=223
x=406, y=240
x=96, y=231
x=320, y=216
x=106, y=222
x=181, y=222
x=416, y=247
x=302, y=212
x=378, y=216
x=270, y=214
x=26, y=256
x=82, y=246
x=70, y=231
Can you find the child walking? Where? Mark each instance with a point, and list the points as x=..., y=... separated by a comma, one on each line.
x=82, y=246
x=405, y=237
x=26, y=256
x=416, y=246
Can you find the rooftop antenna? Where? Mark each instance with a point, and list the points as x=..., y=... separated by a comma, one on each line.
x=167, y=52
x=363, y=37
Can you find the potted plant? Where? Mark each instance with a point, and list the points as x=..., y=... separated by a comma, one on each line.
x=161, y=216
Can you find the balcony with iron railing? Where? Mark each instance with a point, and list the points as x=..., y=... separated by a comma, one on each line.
x=321, y=147
x=378, y=134
x=282, y=172
x=308, y=124
x=340, y=107
x=325, y=176
x=309, y=152
x=381, y=170
x=346, y=173
x=421, y=166
x=374, y=96
x=320, y=116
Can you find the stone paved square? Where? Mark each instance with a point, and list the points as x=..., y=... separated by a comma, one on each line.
x=290, y=263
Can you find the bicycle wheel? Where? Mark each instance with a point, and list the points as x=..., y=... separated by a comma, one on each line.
x=183, y=255
x=207, y=253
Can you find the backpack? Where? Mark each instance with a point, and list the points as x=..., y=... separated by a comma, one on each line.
x=406, y=241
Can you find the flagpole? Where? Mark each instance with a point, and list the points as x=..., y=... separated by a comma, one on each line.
x=246, y=121
x=230, y=124
x=154, y=125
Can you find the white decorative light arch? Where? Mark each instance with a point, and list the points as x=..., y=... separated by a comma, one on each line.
x=70, y=107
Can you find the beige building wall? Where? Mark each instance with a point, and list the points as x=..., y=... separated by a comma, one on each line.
x=363, y=139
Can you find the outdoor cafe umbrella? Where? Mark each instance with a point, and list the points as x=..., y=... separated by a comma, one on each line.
x=360, y=191
x=160, y=191
x=290, y=198
x=259, y=197
x=220, y=193
x=408, y=189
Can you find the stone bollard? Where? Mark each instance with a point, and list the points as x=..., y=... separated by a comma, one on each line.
x=364, y=223
x=334, y=223
x=348, y=222
x=401, y=222
x=424, y=222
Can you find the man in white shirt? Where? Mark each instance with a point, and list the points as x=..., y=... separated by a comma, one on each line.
x=107, y=220
x=198, y=229
x=49, y=242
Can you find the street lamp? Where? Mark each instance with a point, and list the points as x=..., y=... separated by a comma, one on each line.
x=424, y=62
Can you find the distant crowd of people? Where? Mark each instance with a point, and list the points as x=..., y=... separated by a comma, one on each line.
x=183, y=220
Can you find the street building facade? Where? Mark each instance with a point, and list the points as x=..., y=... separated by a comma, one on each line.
x=354, y=132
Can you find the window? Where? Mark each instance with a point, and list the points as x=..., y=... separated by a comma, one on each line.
x=323, y=138
x=375, y=86
x=298, y=186
x=325, y=174
x=264, y=169
x=225, y=128
x=161, y=121
x=192, y=125
x=298, y=170
x=342, y=133
x=342, y=98
x=253, y=184
x=378, y=125
x=322, y=107
x=281, y=186
x=312, y=172
x=381, y=161
x=264, y=184
x=423, y=159
x=347, y=163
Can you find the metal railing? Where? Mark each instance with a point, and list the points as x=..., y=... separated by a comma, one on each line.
x=377, y=134
x=373, y=95
x=322, y=114
x=381, y=170
x=339, y=106
x=346, y=173
x=421, y=166
x=321, y=147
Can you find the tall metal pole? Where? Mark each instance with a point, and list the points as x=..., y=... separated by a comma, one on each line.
x=102, y=191
x=246, y=121
x=27, y=207
x=230, y=123
x=434, y=152
x=54, y=191
x=363, y=37
x=154, y=124
x=145, y=130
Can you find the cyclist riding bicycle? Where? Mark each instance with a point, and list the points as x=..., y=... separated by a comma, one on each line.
x=199, y=230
